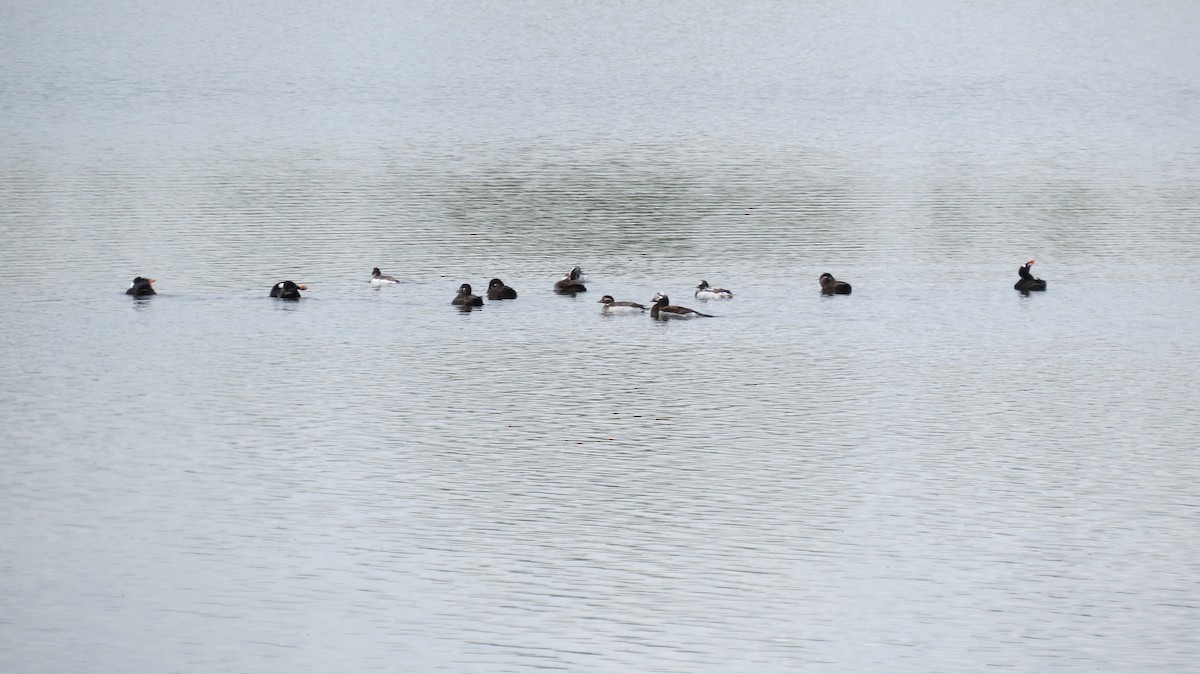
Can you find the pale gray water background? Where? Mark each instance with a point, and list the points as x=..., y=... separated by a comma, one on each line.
x=933, y=474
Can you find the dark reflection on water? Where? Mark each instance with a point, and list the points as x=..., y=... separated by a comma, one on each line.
x=932, y=474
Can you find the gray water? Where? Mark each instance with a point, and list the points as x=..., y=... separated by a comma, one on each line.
x=933, y=474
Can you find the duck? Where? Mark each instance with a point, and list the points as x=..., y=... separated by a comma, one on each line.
x=464, y=298
x=662, y=309
x=498, y=291
x=611, y=306
x=569, y=286
x=378, y=278
x=576, y=274
x=1028, y=281
x=707, y=292
x=832, y=286
x=141, y=287
x=287, y=290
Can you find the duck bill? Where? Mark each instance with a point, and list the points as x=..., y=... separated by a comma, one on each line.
x=302, y=286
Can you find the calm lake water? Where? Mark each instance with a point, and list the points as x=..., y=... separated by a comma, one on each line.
x=933, y=474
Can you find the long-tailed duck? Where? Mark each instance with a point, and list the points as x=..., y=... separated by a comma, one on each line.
x=664, y=310
x=707, y=292
x=612, y=306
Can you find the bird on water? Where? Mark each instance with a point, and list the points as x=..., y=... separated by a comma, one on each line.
x=378, y=278
x=1028, y=281
x=707, y=292
x=612, y=306
x=498, y=291
x=569, y=286
x=832, y=286
x=464, y=298
x=663, y=310
x=141, y=287
x=287, y=290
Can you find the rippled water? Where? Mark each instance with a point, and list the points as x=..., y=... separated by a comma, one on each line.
x=933, y=474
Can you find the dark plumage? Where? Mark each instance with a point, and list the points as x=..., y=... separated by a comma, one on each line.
x=568, y=286
x=576, y=274
x=498, y=291
x=464, y=298
x=832, y=286
x=141, y=287
x=287, y=290
x=1028, y=281
x=664, y=310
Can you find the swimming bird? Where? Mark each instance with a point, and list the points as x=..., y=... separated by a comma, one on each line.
x=664, y=310
x=707, y=292
x=612, y=306
x=287, y=290
x=141, y=287
x=464, y=298
x=569, y=286
x=832, y=286
x=1028, y=281
x=576, y=274
x=498, y=291
x=378, y=278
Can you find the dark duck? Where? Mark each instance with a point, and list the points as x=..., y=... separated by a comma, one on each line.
x=464, y=298
x=287, y=290
x=832, y=286
x=498, y=291
x=141, y=287
x=569, y=286
x=663, y=310
x=1028, y=281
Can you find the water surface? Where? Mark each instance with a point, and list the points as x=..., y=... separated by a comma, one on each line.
x=931, y=474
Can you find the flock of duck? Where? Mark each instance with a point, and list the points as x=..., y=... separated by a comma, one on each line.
x=572, y=284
